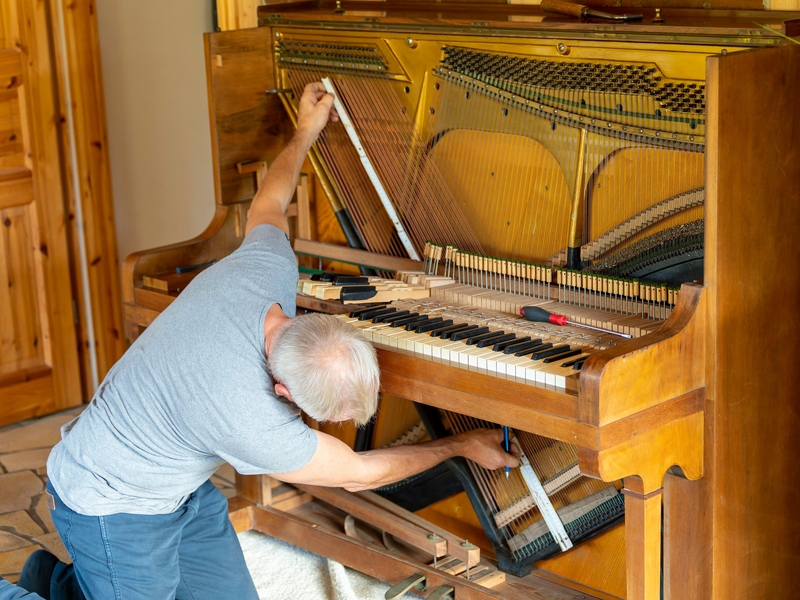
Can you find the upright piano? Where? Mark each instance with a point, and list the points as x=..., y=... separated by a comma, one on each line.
x=641, y=176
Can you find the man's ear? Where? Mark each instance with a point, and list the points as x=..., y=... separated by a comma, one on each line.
x=282, y=390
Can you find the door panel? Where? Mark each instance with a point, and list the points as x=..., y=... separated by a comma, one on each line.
x=39, y=369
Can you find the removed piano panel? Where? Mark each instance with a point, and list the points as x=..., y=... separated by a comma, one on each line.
x=505, y=506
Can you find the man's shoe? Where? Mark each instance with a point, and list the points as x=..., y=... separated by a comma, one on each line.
x=37, y=572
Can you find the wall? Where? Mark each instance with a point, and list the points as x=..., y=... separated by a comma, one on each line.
x=157, y=111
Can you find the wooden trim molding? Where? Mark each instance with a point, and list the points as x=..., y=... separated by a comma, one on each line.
x=84, y=144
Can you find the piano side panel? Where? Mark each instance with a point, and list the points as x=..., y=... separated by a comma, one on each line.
x=247, y=124
x=753, y=216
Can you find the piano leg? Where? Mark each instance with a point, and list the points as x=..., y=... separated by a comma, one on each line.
x=641, y=462
x=642, y=540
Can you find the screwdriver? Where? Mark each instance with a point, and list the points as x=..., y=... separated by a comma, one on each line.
x=534, y=313
x=506, y=446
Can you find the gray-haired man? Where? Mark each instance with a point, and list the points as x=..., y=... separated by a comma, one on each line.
x=219, y=376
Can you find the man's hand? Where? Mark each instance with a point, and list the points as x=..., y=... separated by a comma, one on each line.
x=484, y=447
x=316, y=107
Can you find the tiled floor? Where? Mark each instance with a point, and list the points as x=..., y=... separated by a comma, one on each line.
x=25, y=524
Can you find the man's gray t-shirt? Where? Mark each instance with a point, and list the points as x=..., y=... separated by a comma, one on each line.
x=191, y=392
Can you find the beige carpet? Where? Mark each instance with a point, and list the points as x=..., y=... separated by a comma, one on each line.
x=282, y=571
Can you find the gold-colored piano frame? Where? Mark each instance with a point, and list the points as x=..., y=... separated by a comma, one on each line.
x=708, y=396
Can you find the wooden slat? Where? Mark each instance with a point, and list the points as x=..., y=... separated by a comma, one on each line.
x=470, y=555
x=355, y=257
x=379, y=518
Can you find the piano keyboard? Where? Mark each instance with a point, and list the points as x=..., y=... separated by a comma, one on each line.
x=481, y=341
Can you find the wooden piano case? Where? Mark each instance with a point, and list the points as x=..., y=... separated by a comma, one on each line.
x=696, y=418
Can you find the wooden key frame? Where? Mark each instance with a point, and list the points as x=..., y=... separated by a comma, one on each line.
x=306, y=516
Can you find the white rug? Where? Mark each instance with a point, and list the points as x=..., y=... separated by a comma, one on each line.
x=282, y=571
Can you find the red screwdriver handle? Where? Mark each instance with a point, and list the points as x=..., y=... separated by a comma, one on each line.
x=534, y=313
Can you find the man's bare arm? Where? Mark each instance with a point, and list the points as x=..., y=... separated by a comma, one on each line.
x=334, y=464
x=273, y=198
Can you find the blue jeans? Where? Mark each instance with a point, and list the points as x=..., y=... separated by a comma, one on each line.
x=190, y=554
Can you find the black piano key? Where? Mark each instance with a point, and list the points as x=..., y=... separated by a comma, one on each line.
x=398, y=314
x=552, y=359
x=560, y=355
x=375, y=310
x=500, y=346
x=518, y=345
x=571, y=363
x=359, y=311
x=426, y=327
x=539, y=354
x=381, y=310
x=487, y=339
x=446, y=335
x=357, y=293
x=462, y=335
x=341, y=280
x=578, y=364
x=414, y=324
x=476, y=339
x=497, y=341
x=439, y=331
x=530, y=349
x=409, y=319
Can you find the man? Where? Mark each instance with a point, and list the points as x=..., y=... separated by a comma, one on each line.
x=219, y=376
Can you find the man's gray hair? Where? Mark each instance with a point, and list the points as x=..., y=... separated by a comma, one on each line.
x=329, y=368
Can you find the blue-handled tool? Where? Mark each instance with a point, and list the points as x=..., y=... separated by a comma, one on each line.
x=507, y=447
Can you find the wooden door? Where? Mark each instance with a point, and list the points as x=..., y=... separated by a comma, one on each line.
x=39, y=368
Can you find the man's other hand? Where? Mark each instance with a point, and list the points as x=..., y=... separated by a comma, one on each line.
x=316, y=108
x=484, y=446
